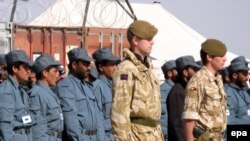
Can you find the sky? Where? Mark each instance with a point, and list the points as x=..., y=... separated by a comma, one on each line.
x=226, y=20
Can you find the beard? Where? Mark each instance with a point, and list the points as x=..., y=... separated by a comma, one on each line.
x=240, y=83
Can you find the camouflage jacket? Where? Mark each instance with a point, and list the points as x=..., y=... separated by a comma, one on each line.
x=206, y=101
x=136, y=94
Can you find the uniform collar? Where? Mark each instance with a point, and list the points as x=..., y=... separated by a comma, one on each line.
x=170, y=82
x=105, y=80
x=131, y=56
x=47, y=88
x=210, y=75
x=13, y=81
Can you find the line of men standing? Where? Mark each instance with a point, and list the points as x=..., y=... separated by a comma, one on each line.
x=235, y=78
x=54, y=109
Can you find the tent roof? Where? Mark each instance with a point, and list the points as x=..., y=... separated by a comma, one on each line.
x=173, y=40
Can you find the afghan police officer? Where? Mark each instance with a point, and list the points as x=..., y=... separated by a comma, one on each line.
x=3, y=65
x=106, y=63
x=238, y=98
x=170, y=73
x=205, y=100
x=186, y=67
x=225, y=77
x=48, y=110
x=15, y=118
x=82, y=118
x=136, y=105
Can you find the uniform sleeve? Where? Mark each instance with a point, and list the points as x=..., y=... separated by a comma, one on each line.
x=231, y=110
x=40, y=129
x=192, y=101
x=69, y=108
x=100, y=127
x=6, y=116
x=120, y=111
x=99, y=96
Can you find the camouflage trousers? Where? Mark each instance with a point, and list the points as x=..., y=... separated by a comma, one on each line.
x=208, y=136
x=145, y=133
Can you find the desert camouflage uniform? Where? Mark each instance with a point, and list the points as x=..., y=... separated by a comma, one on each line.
x=136, y=97
x=206, y=102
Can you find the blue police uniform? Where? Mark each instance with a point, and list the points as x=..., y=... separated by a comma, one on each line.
x=46, y=105
x=15, y=118
x=238, y=102
x=103, y=93
x=82, y=118
x=48, y=112
x=165, y=89
x=238, y=105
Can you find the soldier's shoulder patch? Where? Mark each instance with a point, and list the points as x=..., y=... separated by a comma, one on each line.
x=124, y=77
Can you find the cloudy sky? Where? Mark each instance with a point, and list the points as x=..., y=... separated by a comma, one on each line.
x=226, y=20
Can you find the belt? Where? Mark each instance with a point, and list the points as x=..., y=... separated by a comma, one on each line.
x=90, y=132
x=145, y=122
x=55, y=134
x=22, y=131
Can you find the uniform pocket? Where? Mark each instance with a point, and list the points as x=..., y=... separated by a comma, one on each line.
x=53, y=111
x=6, y=112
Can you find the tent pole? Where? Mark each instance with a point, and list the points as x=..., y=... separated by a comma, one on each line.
x=131, y=9
x=132, y=16
x=84, y=23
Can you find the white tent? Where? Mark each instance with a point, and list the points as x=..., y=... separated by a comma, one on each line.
x=173, y=40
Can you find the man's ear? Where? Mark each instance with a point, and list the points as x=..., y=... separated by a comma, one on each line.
x=74, y=65
x=14, y=69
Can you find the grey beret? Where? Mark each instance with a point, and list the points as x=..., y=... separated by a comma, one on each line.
x=79, y=54
x=17, y=56
x=104, y=54
x=43, y=62
x=168, y=66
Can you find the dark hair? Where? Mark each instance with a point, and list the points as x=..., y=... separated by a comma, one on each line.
x=203, y=56
x=130, y=35
x=15, y=64
x=39, y=75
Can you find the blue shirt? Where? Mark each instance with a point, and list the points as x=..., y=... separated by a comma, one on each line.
x=47, y=111
x=14, y=105
x=238, y=105
x=80, y=110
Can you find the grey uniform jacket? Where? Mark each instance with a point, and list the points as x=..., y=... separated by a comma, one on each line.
x=103, y=93
x=238, y=105
x=15, y=118
x=82, y=118
x=165, y=89
x=48, y=112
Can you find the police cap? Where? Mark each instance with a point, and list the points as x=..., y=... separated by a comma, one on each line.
x=2, y=60
x=44, y=61
x=240, y=59
x=186, y=61
x=168, y=66
x=79, y=54
x=235, y=67
x=104, y=54
x=17, y=56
